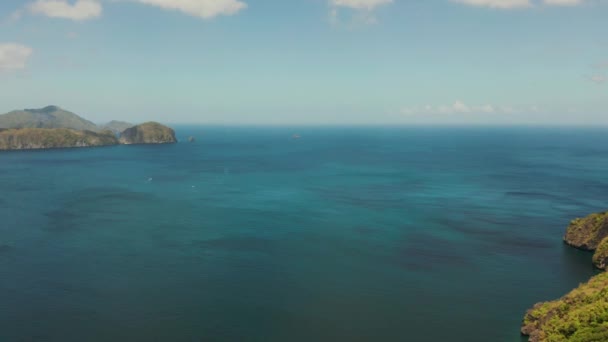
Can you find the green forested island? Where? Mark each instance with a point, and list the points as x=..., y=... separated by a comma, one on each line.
x=147, y=133
x=582, y=314
x=53, y=127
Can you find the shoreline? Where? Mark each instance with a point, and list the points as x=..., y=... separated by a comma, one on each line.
x=581, y=314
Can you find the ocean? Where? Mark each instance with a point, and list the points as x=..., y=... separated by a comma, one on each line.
x=345, y=234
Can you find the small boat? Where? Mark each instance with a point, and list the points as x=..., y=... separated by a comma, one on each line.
x=296, y=136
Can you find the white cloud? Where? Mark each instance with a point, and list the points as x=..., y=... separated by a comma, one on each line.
x=502, y=4
x=485, y=109
x=598, y=78
x=514, y=4
x=508, y=110
x=562, y=2
x=459, y=107
x=79, y=10
x=199, y=8
x=14, y=57
x=363, y=10
x=368, y=5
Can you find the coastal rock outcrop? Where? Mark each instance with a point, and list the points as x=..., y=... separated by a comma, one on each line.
x=600, y=257
x=46, y=138
x=581, y=315
x=148, y=133
x=587, y=233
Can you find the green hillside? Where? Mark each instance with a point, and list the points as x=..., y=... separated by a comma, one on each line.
x=45, y=138
x=148, y=133
x=47, y=117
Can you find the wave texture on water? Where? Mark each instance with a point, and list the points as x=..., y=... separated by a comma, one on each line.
x=354, y=234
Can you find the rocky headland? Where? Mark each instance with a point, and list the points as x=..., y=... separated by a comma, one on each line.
x=582, y=314
x=587, y=233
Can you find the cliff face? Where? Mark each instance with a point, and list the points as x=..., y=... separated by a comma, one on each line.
x=44, y=138
x=600, y=257
x=581, y=315
x=587, y=233
x=148, y=133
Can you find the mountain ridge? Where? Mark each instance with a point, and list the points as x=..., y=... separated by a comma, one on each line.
x=46, y=117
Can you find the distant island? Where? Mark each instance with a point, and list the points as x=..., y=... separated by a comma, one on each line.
x=47, y=117
x=44, y=138
x=147, y=133
x=582, y=314
x=117, y=126
x=53, y=127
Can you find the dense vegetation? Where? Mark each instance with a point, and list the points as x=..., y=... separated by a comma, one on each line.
x=43, y=138
x=587, y=233
x=148, y=133
x=582, y=314
x=600, y=257
x=53, y=127
x=47, y=117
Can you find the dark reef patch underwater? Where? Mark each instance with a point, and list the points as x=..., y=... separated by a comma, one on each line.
x=352, y=234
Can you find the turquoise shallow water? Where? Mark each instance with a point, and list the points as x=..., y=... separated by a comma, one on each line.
x=352, y=234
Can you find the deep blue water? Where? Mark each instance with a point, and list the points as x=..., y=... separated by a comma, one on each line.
x=351, y=234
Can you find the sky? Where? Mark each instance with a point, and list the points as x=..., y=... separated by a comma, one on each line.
x=367, y=62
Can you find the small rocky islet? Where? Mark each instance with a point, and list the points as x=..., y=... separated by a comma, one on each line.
x=147, y=133
x=53, y=127
x=582, y=314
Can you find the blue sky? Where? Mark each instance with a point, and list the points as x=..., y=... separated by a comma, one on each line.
x=309, y=61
